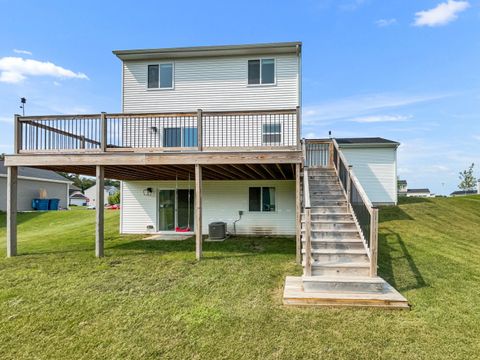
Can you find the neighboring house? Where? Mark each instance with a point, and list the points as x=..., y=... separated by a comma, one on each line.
x=464, y=193
x=77, y=198
x=213, y=134
x=74, y=189
x=402, y=187
x=31, y=182
x=419, y=193
x=91, y=194
x=467, y=192
x=374, y=162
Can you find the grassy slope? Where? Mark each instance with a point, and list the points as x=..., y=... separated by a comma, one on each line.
x=152, y=299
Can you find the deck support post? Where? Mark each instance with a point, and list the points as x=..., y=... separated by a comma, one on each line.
x=103, y=131
x=198, y=211
x=12, y=183
x=298, y=214
x=373, y=242
x=100, y=211
x=299, y=127
x=200, y=129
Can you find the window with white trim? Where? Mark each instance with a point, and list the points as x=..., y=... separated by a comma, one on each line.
x=261, y=71
x=160, y=76
x=272, y=133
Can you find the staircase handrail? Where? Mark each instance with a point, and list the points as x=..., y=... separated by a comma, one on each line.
x=358, y=201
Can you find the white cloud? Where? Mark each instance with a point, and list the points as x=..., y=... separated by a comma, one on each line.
x=476, y=137
x=6, y=119
x=24, y=52
x=385, y=22
x=442, y=14
x=15, y=69
x=357, y=106
x=381, y=118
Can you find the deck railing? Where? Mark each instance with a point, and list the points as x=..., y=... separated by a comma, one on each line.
x=307, y=237
x=317, y=153
x=234, y=130
x=365, y=214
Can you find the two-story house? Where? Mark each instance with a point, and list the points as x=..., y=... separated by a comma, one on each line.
x=213, y=134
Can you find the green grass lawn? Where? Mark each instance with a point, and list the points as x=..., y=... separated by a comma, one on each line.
x=151, y=299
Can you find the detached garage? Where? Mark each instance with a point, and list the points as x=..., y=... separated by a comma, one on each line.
x=31, y=182
x=374, y=162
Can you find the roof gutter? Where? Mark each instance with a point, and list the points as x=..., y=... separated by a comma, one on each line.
x=40, y=179
x=204, y=51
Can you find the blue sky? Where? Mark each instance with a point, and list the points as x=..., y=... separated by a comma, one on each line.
x=404, y=70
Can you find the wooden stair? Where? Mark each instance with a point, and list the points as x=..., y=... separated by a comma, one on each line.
x=340, y=264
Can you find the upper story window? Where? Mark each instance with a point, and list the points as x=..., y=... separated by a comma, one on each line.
x=272, y=133
x=160, y=76
x=261, y=71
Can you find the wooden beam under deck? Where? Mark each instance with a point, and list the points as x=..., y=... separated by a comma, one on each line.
x=174, y=158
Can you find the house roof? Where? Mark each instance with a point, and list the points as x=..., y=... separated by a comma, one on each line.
x=367, y=141
x=28, y=172
x=204, y=51
x=417, y=191
x=462, y=192
x=74, y=188
x=77, y=195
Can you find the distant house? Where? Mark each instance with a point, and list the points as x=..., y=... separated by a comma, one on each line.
x=74, y=189
x=467, y=192
x=91, y=194
x=464, y=192
x=31, y=182
x=419, y=193
x=77, y=198
x=402, y=187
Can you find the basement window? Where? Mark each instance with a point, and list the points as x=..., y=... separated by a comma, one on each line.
x=261, y=72
x=160, y=76
x=261, y=199
x=271, y=133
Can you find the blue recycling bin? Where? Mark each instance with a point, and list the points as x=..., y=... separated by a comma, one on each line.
x=40, y=204
x=53, y=204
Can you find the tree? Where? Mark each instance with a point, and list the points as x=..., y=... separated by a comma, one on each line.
x=84, y=182
x=468, y=181
x=81, y=182
x=114, y=199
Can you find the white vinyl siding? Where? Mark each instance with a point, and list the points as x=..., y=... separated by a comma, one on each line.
x=376, y=169
x=211, y=84
x=221, y=202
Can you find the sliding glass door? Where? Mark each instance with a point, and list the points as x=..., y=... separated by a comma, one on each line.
x=175, y=209
x=166, y=210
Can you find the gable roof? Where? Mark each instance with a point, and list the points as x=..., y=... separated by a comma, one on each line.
x=207, y=51
x=77, y=195
x=40, y=174
x=463, y=192
x=74, y=188
x=416, y=191
x=367, y=141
